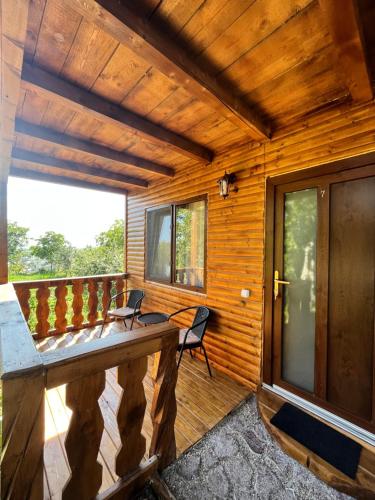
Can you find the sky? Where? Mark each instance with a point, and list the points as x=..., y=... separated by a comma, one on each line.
x=79, y=214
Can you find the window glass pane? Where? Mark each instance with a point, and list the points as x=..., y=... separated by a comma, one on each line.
x=190, y=243
x=300, y=227
x=158, y=243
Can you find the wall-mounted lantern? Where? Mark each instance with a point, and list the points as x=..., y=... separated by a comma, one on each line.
x=225, y=184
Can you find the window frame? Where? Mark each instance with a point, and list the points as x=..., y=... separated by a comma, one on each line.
x=171, y=282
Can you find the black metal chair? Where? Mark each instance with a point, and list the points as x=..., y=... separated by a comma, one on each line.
x=131, y=310
x=192, y=337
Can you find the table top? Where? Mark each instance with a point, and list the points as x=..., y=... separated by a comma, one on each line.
x=153, y=318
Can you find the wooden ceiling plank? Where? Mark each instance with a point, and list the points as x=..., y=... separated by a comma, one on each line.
x=13, y=24
x=343, y=23
x=40, y=81
x=172, y=60
x=29, y=158
x=58, y=179
x=66, y=141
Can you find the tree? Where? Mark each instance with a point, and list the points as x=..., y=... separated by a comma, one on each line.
x=17, y=246
x=54, y=249
x=113, y=238
x=106, y=257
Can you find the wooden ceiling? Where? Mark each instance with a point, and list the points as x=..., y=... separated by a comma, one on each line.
x=122, y=94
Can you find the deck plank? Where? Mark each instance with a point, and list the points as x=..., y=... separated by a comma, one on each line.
x=201, y=403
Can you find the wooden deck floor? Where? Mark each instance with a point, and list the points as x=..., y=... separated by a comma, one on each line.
x=201, y=403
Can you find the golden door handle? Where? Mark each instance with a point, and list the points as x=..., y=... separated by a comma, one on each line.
x=276, y=283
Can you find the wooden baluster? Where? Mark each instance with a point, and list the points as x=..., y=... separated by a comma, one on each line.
x=93, y=302
x=61, y=307
x=130, y=415
x=106, y=286
x=84, y=435
x=164, y=407
x=119, y=288
x=23, y=295
x=42, y=311
x=77, y=290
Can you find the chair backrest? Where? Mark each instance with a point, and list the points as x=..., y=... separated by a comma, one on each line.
x=201, y=316
x=134, y=297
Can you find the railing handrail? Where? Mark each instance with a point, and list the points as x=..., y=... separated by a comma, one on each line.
x=18, y=355
x=68, y=280
x=26, y=373
x=66, y=365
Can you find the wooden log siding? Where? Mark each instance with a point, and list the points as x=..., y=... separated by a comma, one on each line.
x=48, y=289
x=235, y=253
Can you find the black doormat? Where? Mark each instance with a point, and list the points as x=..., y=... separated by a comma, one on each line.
x=335, y=448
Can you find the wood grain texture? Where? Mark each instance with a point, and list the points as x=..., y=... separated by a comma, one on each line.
x=84, y=434
x=13, y=23
x=164, y=406
x=61, y=308
x=76, y=98
x=57, y=139
x=22, y=404
x=42, y=311
x=171, y=60
x=53, y=165
x=201, y=403
x=26, y=173
x=130, y=416
x=235, y=244
x=342, y=18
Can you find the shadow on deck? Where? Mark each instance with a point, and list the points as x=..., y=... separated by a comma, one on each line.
x=201, y=403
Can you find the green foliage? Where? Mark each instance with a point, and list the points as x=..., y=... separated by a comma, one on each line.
x=54, y=249
x=17, y=247
x=106, y=257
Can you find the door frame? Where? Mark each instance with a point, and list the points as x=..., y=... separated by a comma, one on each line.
x=272, y=182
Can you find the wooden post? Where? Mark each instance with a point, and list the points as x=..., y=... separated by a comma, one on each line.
x=164, y=407
x=22, y=379
x=84, y=435
x=130, y=415
x=3, y=232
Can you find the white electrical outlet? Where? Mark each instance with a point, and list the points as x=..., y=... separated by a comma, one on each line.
x=245, y=293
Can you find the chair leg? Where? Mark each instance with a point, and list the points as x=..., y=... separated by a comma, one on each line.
x=131, y=324
x=208, y=364
x=179, y=358
x=126, y=326
x=191, y=354
x=103, y=325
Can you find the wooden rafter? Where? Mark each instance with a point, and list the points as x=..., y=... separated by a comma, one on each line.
x=57, y=139
x=29, y=158
x=59, y=179
x=164, y=54
x=343, y=23
x=81, y=100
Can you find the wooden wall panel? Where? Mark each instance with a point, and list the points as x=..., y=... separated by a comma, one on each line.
x=236, y=228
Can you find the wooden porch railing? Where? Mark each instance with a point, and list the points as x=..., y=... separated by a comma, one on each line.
x=45, y=303
x=26, y=374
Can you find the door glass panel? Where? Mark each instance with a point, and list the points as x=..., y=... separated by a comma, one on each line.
x=299, y=298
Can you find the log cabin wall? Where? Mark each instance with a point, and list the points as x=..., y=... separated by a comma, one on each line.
x=235, y=250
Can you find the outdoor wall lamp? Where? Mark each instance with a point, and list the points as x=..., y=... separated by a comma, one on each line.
x=225, y=184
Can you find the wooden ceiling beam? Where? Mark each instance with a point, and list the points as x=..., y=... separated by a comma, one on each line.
x=29, y=158
x=140, y=35
x=343, y=22
x=54, y=88
x=59, y=179
x=66, y=141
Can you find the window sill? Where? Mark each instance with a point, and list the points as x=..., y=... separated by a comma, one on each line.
x=178, y=288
